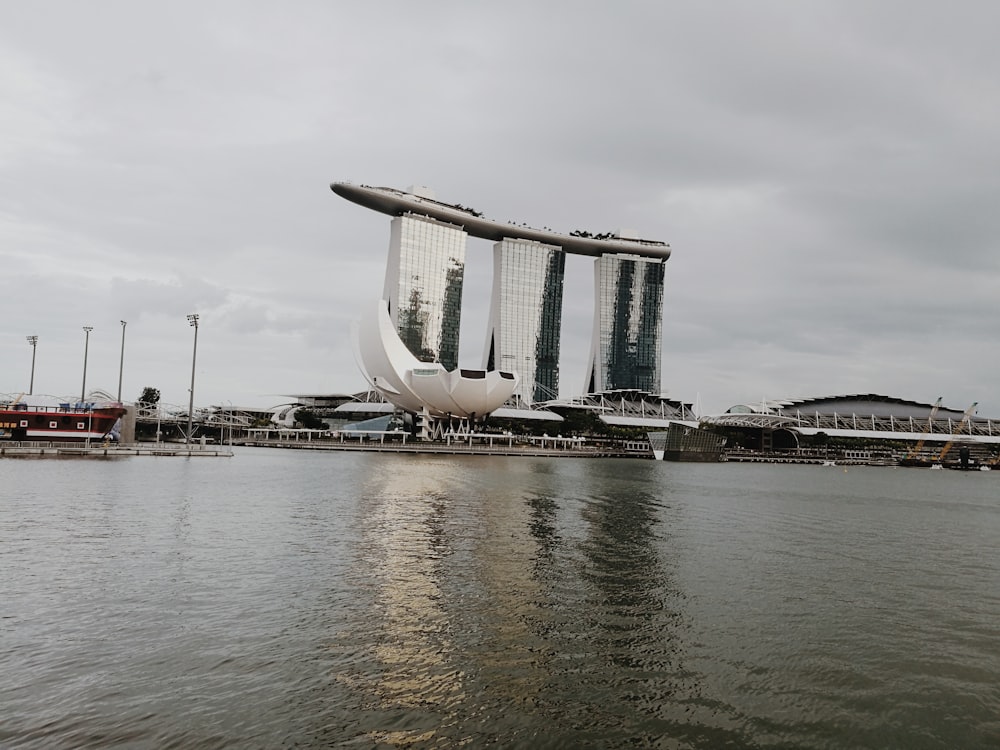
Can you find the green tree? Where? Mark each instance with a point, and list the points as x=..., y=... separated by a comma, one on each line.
x=309, y=420
x=580, y=422
x=150, y=396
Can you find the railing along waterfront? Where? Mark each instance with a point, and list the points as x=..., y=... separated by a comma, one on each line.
x=464, y=442
x=61, y=408
x=104, y=448
x=949, y=426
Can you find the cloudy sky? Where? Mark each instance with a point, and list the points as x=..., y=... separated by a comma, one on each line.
x=827, y=173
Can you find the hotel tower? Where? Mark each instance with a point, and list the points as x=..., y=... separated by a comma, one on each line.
x=526, y=315
x=628, y=313
x=423, y=286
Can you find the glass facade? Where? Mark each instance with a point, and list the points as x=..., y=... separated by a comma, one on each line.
x=628, y=315
x=423, y=285
x=526, y=315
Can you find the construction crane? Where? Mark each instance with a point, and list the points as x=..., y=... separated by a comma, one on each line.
x=915, y=450
x=964, y=421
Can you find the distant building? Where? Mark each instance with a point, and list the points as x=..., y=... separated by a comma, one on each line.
x=781, y=423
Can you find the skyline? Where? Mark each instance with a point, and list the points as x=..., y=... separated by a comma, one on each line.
x=825, y=176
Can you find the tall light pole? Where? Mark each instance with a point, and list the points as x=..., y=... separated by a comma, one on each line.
x=33, y=340
x=192, y=321
x=121, y=363
x=86, y=346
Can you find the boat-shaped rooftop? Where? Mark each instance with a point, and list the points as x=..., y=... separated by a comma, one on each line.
x=397, y=202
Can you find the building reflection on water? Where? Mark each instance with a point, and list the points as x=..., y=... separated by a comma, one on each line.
x=461, y=611
x=406, y=544
x=511, y=653
x=628, y=577
x=508, y=593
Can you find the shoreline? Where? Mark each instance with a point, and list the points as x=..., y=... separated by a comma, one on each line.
x=556, y=449
x=64, y=450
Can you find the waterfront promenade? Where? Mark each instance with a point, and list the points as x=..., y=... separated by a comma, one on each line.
x=30, y=449
x=460, y=444
x=481, y=445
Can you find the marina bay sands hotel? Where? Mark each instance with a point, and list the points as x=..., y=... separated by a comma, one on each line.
x=409, y=344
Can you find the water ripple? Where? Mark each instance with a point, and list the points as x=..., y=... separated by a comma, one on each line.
x=287, y=599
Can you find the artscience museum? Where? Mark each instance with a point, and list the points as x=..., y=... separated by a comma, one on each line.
x=427, y=389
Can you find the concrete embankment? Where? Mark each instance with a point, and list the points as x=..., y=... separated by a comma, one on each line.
x=555, y=449
x=500, y=448
x=69, y=450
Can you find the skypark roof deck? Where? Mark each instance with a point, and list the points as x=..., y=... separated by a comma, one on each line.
x=397, y=202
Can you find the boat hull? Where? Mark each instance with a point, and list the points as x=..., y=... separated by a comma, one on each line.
x=64, y=422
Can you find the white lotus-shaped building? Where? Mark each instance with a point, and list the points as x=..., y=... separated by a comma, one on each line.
x=426, y=387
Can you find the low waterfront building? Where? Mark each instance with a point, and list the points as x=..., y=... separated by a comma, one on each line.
x=865, y=418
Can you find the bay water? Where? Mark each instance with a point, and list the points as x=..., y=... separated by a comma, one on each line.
x=303, y=599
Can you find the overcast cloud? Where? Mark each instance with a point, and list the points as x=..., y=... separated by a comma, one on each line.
x=827, y=173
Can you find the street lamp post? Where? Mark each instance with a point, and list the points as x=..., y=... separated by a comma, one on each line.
x=86, y=346
x=33, y=340
x=121, y=363
x=193, y=322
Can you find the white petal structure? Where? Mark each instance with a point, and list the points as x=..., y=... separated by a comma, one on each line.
x=413, y=385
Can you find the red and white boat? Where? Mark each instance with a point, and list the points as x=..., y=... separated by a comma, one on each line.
x=46, y=418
